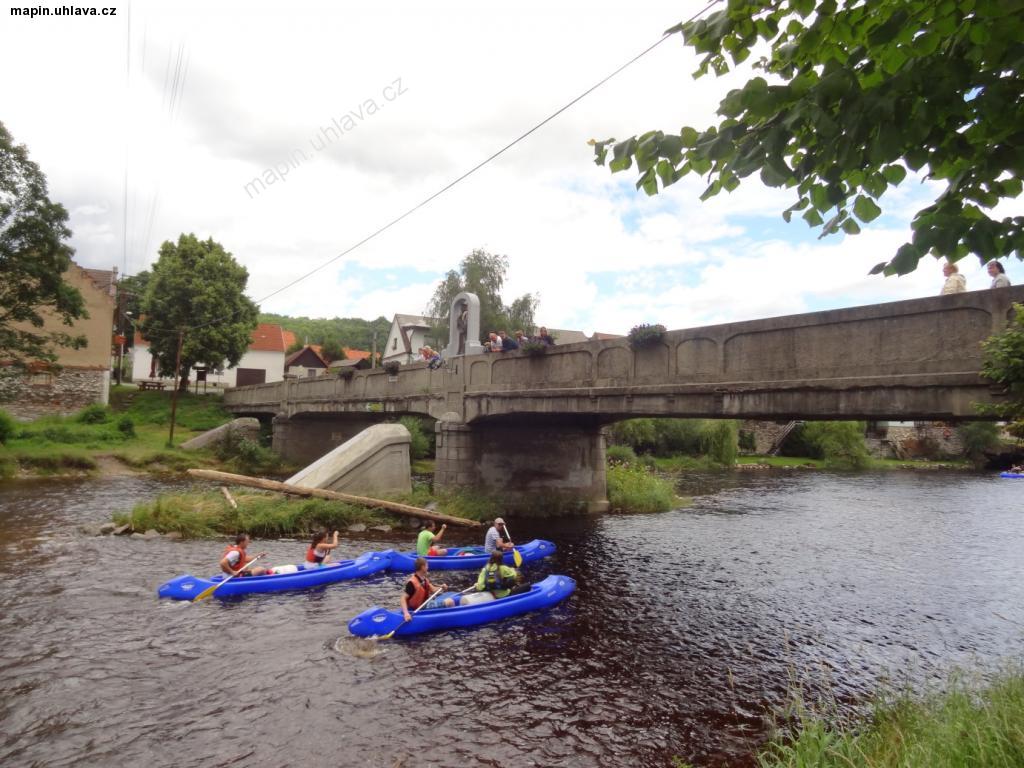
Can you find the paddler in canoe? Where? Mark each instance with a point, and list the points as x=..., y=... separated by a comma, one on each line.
x=234, y=560
x=497, y=538
x=319, y=552
x=420, y=592
x=499, y=579
x=426, y=542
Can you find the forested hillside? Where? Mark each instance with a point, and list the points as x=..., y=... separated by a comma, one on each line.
x=351, y=332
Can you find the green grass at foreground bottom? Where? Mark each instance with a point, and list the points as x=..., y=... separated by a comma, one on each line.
x=960, y=728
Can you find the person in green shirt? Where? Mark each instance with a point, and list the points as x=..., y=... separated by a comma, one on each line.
x=499, y=579
x=426, y=542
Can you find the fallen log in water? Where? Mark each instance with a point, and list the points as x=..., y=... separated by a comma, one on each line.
x=320, y=493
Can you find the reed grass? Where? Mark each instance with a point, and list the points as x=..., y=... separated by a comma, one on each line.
x=633, y=488
x=963, y=727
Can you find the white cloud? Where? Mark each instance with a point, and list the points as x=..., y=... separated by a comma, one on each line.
x=259, y=80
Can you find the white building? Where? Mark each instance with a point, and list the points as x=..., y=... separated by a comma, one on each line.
x=262, y=363
x=407, y=335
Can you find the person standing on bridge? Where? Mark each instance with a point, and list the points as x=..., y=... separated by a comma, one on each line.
x=998, y=275
x=955, y=282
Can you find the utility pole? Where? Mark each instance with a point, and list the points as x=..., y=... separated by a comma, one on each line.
x=120, y=336
x=373, y=355
x=174, y=396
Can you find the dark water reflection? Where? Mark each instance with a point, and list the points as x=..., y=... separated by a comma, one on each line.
x=686, y=628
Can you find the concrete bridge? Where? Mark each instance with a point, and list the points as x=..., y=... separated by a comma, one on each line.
x=531, y=427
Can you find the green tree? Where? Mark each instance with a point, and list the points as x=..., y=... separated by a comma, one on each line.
x=350, y=332
x=977, y=437
x=839, y=443
x=484, y=274
x=854, y=94
x=197, y=287
x=1004, y=364
x=33, y=260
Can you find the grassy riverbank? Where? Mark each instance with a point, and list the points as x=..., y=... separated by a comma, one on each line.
x=132, y=431
x=268, y=515
x=961, y=728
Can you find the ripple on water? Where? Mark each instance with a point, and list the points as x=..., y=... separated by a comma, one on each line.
x=686, y=630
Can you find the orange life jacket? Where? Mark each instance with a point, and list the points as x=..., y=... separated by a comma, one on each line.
x=423, y=590
x=313, y=557
x=242, y=557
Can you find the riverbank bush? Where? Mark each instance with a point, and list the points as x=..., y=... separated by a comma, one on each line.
x=961, y=728
x=840, y=444
x=8, y=427
x=663, y=438
x=977, y=437
x=422, y=445
x=636, y=489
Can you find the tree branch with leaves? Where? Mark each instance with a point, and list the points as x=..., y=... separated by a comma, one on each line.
x=854, y=94
x=33, y=260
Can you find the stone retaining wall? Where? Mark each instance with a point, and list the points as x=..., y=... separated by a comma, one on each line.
x=27, y=396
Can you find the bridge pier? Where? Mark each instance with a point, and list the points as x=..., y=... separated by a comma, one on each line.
x=304, y=440
x=540, y=468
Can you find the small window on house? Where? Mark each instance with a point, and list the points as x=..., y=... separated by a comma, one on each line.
x=311, y=372
x=394, y=344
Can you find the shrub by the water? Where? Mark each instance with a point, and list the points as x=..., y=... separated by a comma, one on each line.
x=244, y=455
x=8, y=427
x=839, y=443
x=714, y=438
x=719, y=439
x=978, y=437
x=422, y=445
x=621, y=454
x=636, y=489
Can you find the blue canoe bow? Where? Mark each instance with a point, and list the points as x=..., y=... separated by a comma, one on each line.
x=377, y=621
x=308, y=575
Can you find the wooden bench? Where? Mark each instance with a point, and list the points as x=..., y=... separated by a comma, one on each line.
x=150, y=384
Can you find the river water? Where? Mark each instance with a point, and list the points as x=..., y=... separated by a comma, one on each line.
x=686, y=629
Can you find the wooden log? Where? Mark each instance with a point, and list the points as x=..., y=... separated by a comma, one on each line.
x=229, y=497
x=321, y=493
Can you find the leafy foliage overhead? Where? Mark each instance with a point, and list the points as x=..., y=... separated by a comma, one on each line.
x=33, y=260
x=197, y=286
x=854, y=94
x=484, y=274
x=1004, y=364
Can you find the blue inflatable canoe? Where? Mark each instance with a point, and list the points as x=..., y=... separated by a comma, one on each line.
x=377, y=621
x=306, y=575
x=1012, y=475
x=474, y=557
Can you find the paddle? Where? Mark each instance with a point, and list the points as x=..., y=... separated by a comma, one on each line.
x=418, y=608
x=516, y=557
x=210, y=590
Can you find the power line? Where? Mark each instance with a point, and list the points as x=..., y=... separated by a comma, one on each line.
x=471, y=171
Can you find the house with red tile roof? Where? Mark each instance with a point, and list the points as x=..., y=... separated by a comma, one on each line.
x=306, y=362
x=262, y=363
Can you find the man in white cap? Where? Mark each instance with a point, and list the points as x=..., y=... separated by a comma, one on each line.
x=496, y=538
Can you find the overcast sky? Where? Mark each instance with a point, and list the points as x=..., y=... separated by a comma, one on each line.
x=202, y=98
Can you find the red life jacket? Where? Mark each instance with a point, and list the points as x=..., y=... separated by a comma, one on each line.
x=423, y=590
x=242, y=557
x=313, y=557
